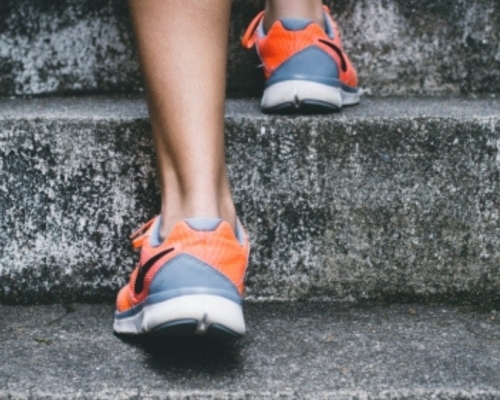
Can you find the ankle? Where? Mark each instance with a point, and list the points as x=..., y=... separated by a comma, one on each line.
x=279, y=9
x=196, y=207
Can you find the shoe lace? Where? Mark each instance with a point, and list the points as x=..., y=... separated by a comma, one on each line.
x=248, y=40
x=137, y=237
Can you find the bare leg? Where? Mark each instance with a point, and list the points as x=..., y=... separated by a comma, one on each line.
x=307, y=9
x=183, y=52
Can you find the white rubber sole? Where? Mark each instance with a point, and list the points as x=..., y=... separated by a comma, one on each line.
x=206, y=310
x=296, y=92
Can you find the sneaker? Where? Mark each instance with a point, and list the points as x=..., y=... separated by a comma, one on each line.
x=191, y=283
x=305, y=66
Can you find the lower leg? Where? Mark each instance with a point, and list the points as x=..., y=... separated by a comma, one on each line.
x=183, y=52
x=307, y=9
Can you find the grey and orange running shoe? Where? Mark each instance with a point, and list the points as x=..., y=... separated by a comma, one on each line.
x=305, y=66
x=190, y=283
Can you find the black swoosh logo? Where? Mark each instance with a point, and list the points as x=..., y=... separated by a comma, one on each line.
x=143, y=270
x=339, y=52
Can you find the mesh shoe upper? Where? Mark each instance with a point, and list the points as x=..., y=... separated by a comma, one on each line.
x=281, y=43
x=217, y=250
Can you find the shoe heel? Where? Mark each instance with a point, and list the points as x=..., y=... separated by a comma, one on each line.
x=207, y=311
x=297, y=95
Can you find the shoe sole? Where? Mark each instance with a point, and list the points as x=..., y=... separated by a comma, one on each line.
x=305, y=97
x=186, y=315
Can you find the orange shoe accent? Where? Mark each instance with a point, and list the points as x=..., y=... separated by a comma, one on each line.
x=124, y=301
x=219, y=249
x=279, y=44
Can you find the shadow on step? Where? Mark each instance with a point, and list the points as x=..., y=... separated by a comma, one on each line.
x=198, y=354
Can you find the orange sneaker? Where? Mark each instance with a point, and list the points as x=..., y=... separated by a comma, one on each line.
x=305, y=66
x=191, y=283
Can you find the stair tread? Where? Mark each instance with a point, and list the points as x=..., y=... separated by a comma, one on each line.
x=304, y=350
x=130, y=107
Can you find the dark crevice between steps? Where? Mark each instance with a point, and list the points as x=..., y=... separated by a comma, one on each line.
x=479, y=301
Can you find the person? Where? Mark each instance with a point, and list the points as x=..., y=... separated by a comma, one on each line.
x=189, y=278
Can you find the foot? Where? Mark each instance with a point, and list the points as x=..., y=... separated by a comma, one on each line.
x=191, y=283
x=306, y=68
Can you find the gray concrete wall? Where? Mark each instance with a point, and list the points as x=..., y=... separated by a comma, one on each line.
x=393, y=199
x=399, y=46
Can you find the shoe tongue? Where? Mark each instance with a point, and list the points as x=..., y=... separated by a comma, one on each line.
x=203, y=224
x=295, y=24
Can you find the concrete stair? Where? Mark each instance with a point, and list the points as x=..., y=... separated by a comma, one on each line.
x=399, y=47
x=396, y=198
x=375, y=269
x=292, y=351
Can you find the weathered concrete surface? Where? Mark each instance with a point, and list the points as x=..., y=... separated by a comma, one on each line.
x=398, y=46
x=315, y=351
x=394, y=198
x=58, y=46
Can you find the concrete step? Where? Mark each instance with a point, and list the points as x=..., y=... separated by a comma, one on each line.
x=394, y=199
x=399, y=47
x=305, y=351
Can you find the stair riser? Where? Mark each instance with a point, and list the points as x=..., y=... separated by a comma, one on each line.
x=338, y=208
x=399, y=47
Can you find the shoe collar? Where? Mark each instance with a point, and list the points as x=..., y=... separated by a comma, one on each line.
x=151, y=230
x=256, y=28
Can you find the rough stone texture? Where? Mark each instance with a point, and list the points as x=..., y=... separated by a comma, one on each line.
x=394, y=198
x=399, y=46
x=307, y=351
x=57, y=46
